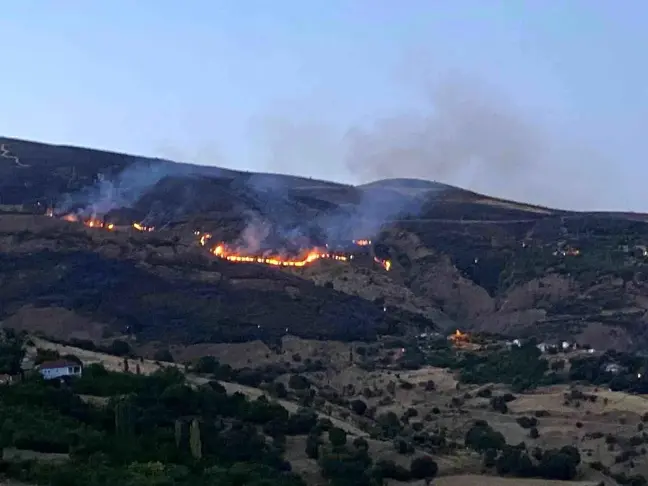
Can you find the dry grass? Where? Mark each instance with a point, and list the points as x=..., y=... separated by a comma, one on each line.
x=56, y=322
x=608, y=402
x=474, y=480
x=112, y=363
x=10, y=454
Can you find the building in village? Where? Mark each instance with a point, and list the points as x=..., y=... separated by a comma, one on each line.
x=51, y=370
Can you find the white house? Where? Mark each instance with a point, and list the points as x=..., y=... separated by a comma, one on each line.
x=58, y=369
x=613, y=368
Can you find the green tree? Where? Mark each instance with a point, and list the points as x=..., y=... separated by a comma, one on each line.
x=195, y=443
x=163, y=355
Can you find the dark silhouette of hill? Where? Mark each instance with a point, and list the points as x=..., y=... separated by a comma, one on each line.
x=458, y=258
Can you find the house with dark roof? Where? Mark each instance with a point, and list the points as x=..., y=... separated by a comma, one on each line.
x=59, y=369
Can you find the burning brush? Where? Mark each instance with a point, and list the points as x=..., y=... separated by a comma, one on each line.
x=94, y=221
x=274, y=258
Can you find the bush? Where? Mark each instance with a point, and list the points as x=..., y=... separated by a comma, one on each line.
x=390, y=470
x=527, y=422
x=298, y=382
x=558, y=465
x=423, y=467
x=206, y=364
x=337, y=437
x=119, y=348
x=482, y=437
x=163, y=355
x=485, y=393
x=402, y=446
x=361, y=443
x=499, y=404
x=359, y=407
x=533, y=433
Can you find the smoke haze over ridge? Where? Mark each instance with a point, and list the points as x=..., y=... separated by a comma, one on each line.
x=329, y=79
x=465, y=132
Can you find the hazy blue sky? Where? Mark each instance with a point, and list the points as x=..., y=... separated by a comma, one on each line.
x=537, y=100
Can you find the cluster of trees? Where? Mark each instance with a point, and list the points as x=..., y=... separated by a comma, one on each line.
x=558, y=464
x=521, y=367
x=344, y=464
x=11, y=352
x=154, y=430
x=157, y=430
x=632, y=375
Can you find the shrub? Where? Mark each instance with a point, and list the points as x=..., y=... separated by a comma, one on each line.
x=359, y=407
x=163, y=355
x=390, y=470
x=337, y=437
x=298, y=382
x=527, y=422
x=482, y=437
x=423, y=467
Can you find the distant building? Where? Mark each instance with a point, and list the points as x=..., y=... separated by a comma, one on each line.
x=613, y=368
x=543, y=347
x=58, y=369
x=6, y=379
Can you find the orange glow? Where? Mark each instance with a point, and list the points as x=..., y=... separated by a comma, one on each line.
x=141, y=227
x=459, y=337
x=203, y=238
x=72, y=218
x=94, y=223
x=362, y=242
x=386, y=264
x=221, y=251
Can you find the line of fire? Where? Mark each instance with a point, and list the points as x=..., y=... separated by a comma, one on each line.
x=296, y=255
x=299, y=257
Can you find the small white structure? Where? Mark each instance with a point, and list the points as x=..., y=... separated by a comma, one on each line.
x=517, y=342
x=543, y=347
x=566, y=345
x=613, y=368
x=51, y=370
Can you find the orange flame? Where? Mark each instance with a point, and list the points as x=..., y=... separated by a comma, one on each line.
x=94, y=223
x=141, y=227
x=203, y=238
x=362, y=242
x=459, y=336
x=221, y=251
x=386, y=264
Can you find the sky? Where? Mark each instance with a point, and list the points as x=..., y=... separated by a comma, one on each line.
x=545, y=102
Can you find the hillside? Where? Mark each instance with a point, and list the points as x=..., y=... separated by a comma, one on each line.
x=440, y=257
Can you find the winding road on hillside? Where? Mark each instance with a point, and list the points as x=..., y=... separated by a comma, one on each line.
x=4, y=153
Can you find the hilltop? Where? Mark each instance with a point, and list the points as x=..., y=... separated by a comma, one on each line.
x=457, y=259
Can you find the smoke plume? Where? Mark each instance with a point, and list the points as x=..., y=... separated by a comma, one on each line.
x=121, y=191
x=465, y=133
